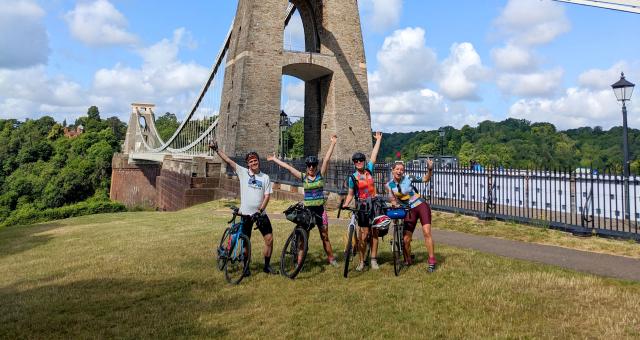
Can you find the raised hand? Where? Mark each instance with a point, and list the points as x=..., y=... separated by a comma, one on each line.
x=378, y=135
x=213, y=145
x=334, y=139
x=429, y=164
x=271, y=157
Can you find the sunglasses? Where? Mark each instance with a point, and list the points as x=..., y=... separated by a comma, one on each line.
x=312, y=165
x=358, y=160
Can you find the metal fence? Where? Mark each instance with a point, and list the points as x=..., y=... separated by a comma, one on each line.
x=577, y=202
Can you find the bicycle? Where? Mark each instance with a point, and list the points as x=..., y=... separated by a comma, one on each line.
x=397, y=215
x=234, y=251
x=352, y=239
x=296, y=246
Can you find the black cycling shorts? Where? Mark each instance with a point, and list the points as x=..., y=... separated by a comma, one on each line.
x=319, y=215
x=263, y=223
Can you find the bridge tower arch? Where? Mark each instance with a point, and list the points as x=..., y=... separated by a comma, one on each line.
x=333, y=67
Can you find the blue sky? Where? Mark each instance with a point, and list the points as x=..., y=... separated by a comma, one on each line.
x=430, y=63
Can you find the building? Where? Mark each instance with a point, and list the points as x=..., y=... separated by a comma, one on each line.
x=73, y=133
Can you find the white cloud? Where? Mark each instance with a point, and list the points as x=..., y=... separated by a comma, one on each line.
x=537, y=84
x=162, y=79
x=405, y=62
x=578, y=107
x=294, y=97
x=532, y=22
x=386, y=13
x=513, y=58
x=23, y=37
x=295, y=90
x=31, y=91
x=382, y=14
x=597, y=79
x=99, y=23
x=418, y=110
x=461, y=71
x=592, y=104
x=527, y=24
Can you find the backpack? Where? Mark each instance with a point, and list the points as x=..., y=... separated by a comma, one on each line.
x=355, y=182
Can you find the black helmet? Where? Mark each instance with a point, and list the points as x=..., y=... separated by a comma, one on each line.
x=311, y=160
x=358, y=156
x=251, y=154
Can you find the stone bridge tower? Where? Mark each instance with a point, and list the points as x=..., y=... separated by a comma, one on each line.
x=333, y=68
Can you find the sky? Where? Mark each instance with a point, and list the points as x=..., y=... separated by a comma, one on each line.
x=431, y=63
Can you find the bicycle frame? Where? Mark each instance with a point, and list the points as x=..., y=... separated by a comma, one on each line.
x=234, y=247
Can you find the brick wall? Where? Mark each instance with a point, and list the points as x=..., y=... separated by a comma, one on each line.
x=134, y=185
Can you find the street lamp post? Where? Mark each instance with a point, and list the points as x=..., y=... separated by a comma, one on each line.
x=284, y=124
x=623, y=89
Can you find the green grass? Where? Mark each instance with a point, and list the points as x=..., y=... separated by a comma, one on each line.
x=149, y=274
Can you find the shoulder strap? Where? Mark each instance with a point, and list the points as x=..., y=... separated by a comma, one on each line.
x=355, y=185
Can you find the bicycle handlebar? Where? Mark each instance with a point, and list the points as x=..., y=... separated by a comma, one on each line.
x=235, y=211
x=354, y=210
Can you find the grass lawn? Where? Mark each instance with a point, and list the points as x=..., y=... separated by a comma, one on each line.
x=149, y=274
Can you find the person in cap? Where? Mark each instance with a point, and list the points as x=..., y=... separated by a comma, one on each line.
x=314, y=199
x=255, y=189
x=362, y=188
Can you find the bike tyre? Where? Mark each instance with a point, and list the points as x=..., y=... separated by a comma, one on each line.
x=289, y=266
x=236, y=267
x=348, y=251
x=221, y=251
x=397, y=250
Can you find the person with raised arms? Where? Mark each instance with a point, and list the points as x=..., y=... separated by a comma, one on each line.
x=314, y=199
x=255, y=189
x=403, y=193
x=362, y=188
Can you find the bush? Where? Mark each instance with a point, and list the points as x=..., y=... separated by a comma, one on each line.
x=28, y=214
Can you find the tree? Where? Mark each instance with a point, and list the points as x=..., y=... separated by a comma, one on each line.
x=117, y=127
x=56, y=132
x=167, y=125
x=295, y=138
x=93, y=113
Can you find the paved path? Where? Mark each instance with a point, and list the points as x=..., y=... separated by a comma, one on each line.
x=599, y=264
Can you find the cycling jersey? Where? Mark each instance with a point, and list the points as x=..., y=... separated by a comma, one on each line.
x=365, y=185
x=313, y=190
x=405, y=192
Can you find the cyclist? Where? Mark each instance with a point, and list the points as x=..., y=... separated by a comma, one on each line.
x=403, y=193
x=255, y=188
x=362, y=187
x=313, y=184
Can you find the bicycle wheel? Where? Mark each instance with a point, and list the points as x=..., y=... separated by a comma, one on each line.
x=397, y=249
x=348, y=251
x=238, y=261
x=294, y=253
x=221, y=252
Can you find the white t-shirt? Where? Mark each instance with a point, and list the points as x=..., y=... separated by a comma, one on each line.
x=252, y=190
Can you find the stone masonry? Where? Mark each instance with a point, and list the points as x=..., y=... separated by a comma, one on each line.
x=333, y=68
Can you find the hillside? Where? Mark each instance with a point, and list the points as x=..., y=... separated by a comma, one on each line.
x=520, y=143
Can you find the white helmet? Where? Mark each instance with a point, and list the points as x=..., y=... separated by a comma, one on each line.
x=381, y=222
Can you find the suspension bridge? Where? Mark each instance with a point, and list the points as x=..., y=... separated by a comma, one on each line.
x=239, y=105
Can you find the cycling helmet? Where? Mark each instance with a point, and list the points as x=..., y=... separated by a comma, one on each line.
x=311, y=160
x=358, y=156
x=252, y=154
x=381, y=222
